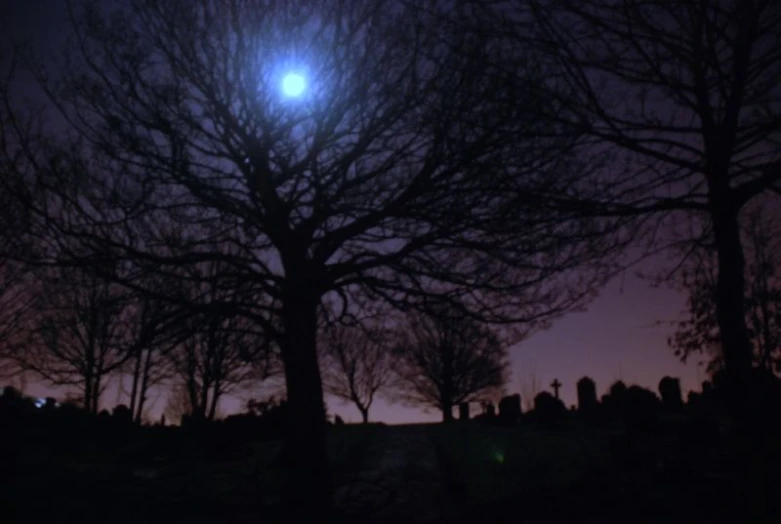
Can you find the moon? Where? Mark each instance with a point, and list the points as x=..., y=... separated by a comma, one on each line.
x=293, y=85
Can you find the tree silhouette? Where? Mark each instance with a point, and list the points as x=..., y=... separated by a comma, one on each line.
x=76, y=333
x=698, y=332
x=408, y=168
x=216, y=353
x=16, y=301
x=16, y=288
x=357, y=364
x=446, y=359
x=680, y=99
x=153, y=332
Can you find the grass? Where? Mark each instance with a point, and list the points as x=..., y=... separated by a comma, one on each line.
x=96, y=483
x=579, y=475
x=493, y=463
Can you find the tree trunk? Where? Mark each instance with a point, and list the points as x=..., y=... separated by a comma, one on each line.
x=215, y=398
x=87, y=400
x=730, y=310
x=203, y=403
x=203, y=406
x=96, y=387
x=447, y=412
x=364, y=414
x=134, y=386
x=89, y=376
x=143, y=388
x=307, y=493
x=446, y=392
x=192, y=393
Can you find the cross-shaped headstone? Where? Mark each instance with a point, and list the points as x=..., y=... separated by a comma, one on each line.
x=556, y=385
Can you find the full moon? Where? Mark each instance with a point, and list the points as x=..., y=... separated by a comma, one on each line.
x=293, y=84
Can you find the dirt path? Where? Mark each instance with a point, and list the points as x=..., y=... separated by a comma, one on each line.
x=399, y=478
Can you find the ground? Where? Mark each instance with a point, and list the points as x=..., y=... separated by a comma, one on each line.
x=467, y=473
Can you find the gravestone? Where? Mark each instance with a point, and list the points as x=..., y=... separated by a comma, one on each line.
x=463, y=411
x=510, y=408
x=587, y=395
x=614, y=402
x=556, y=385
x=548, y=410
x=122, y=415
x=670, y=391
x=121, y=422
x=693, y=397
x=10, y=393
x=104, y=419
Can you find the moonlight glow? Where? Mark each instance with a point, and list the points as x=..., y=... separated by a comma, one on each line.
x=293, y=84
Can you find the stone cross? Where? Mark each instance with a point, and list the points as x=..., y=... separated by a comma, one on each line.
x=556, y=385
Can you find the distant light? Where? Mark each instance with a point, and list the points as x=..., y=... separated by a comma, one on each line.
x=40, y=402
x=293, y=84
x=499, y=457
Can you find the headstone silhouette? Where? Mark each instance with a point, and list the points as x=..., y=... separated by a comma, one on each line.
x=463, y=411
x=587, y=395
x=641, y=408
x=104, y=416
x=548, y=410
x=670, y=391
x=122, y=414
x=556, y=385
x=510, y=408
x=11, y=393
x=614, y=402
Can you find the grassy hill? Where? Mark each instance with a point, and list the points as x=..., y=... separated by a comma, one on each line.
x=463, y=472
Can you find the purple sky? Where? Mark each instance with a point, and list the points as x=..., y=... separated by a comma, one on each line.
x=615, y=339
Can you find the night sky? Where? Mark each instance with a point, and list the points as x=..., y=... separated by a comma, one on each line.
x=617, y=338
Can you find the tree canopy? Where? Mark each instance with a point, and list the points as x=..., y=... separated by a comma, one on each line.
x=411, y=167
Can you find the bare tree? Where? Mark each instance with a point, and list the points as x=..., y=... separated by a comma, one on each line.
x=211, y=363
x=357, y=364
x=682, y=99
x=446, y=359
x=16, y=283
x=16, y=300
x=218, y=352
x=76, y=334
x=410, y=167
x=154, y=330
x=698, y=332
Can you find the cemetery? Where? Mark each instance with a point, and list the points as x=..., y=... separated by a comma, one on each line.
x=219, y=219
x=549, y=465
